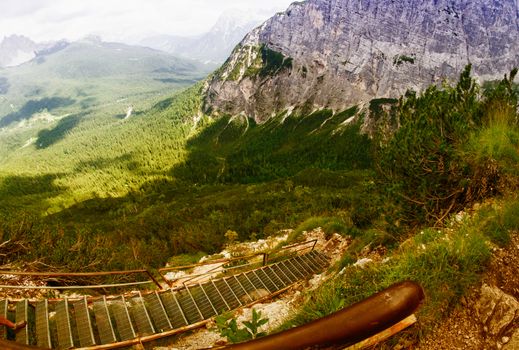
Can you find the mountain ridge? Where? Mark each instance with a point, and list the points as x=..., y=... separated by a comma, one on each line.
x=339, y=53
x=213, y=46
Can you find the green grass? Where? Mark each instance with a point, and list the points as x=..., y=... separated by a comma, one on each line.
x=137, y=192
x=444, y=262
x=329, y=226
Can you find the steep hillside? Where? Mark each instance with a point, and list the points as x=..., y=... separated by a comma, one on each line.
x=88, y=74
x=338, y=53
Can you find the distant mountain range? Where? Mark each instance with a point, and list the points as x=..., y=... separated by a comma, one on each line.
x=212, y=47
x=18, y=49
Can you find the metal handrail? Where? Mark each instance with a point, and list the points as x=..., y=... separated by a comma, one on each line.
x=313, y=241
x=282, y=250
x=265, y=260
x=82, y=274
x=152, y=279
x=170, y=282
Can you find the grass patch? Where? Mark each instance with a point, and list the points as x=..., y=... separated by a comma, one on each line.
x=329, y=225
x=186, y=259
x=444, y=262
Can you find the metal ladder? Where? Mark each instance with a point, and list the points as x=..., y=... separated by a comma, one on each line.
x=68, y=324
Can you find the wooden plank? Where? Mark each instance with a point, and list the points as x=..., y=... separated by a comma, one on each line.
x=385, y=334
x=83, y=324
x=21, y=315
x=43, y=338
x=104, y=323
x=65, y=340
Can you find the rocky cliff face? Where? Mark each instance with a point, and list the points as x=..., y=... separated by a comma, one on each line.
x=16, y=49
x=337, y=53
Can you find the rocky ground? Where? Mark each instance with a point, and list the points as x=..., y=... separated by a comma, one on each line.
x=488, y=316
x=277, y=310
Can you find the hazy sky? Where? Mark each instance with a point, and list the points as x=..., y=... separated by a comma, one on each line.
x=121, y=20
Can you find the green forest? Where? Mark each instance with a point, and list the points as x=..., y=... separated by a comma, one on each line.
x=169, y=181
x=99, y=192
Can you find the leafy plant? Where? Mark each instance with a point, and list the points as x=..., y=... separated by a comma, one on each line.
x=426, y=164
x=228, y=327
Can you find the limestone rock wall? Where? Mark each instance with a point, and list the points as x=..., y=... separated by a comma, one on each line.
x=344, y=52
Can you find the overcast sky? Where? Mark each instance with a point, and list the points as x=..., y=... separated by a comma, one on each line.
x=121, y=20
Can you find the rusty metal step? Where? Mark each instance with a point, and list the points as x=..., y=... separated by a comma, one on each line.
x=188, y=306
x=239, y=290
x=246, y=284
x=123, y=323
x=312, y=263
x=203, y=303
x=226, y=291
x=104, y=324
x=83, y=323
x=309, y=270
x=22, y=314
x=141, y=316
x=281, y=274
x=217, y=299
x=42, y=326
x=288, y=271
x=63, y=328
x=157, y=312
x=259, y=286
x=293, y=268
x=263, y=276
x=173, y=309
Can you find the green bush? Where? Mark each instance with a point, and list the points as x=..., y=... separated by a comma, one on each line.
x=426, y=165
x=510, y=217
x=444, y=264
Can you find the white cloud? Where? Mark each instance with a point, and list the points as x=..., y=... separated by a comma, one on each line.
x=120, y=20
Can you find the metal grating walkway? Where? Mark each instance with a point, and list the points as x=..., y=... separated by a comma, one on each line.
x=68, y=324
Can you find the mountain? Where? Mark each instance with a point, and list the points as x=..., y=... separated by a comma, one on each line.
x=90, y=73
x=213, y=46
x=18, y=49
x=339, y=53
